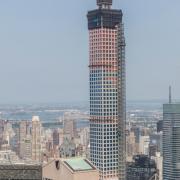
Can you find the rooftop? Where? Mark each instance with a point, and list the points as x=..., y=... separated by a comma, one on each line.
x=9, y=162
x=79, y=164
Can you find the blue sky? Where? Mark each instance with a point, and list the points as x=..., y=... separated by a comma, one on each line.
x=44, y=49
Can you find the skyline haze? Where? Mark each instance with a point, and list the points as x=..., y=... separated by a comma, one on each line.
x=44, y=54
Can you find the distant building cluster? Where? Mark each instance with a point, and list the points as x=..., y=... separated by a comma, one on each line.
x=154, y=151
x=29, y=140
x=29, y=145
x=142, y=168
x=144, y=150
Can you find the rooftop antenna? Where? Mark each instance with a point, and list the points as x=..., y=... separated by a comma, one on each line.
x=104, y=4
x=170, y=95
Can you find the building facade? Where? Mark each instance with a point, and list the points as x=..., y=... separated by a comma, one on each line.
x=171, y=141
x=1, y=132
x=160, y=126
x=67, y=148
x=20, y=172
x=130, y=146
x=24, y=140
x=144, y=145
x=55, y=138
x=69, y=125
x=107, y=91
x=159, y=163
x=27, y=147
x=70, y=169
x=36, y=139
x=143, y=168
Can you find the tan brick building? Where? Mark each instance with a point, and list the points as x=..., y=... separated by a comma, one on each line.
x=70, y=169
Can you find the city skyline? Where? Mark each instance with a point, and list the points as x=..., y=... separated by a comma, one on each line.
x=36, y=62
x=53, y=53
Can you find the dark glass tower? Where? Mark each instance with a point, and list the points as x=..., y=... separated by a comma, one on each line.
x=107, y=91
x=171, y=140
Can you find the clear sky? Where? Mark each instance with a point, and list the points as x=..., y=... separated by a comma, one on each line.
x=44, y=49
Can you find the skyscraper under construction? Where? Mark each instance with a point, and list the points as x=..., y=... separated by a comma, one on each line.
x=107, y=91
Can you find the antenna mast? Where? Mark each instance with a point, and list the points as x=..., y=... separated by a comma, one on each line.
x=104, y=4
x=170, y=95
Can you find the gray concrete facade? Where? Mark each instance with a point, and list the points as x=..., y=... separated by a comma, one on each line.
x=20, y=172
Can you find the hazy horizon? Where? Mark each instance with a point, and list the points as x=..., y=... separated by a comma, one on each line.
x=54, y=103
x=44, y=50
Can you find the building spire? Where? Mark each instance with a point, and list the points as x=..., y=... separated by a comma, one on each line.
x=170, y=95
x=104, y=4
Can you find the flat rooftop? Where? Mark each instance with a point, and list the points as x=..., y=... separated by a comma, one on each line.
x=79, y=164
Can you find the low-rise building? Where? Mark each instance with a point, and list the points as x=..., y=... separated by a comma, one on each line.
x=67, y=148
x=20, y=171
x=8, y=155
x=70, y=169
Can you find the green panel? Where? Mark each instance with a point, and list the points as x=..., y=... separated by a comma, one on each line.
x=79, y=164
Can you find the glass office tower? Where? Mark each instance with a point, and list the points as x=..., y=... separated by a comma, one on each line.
x=171, y=141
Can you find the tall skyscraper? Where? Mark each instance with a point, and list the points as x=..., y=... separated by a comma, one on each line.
x=36, y=139
x=27, y=147
x=144, y=145
x=55, y=138
x=107, y=91
x=22, y=136
x=171, y=141
x=1, y=132
x=69, y=125
x=130, y=146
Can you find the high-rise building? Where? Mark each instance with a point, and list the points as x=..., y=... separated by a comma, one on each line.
x=84, y=137
x=160, y=126
x=156, y=140
x=69, y=125
x=159, y=163
x=27, y=147
x=143, y=168
x=61, y=136
x=22, y=136
x=36, y=139
x=144, y=145
x=107, y=91
x=55, y=138
x=15, y=140
x=171, y=141
x=130, y=146
x=137, y=133
x=1, y=132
